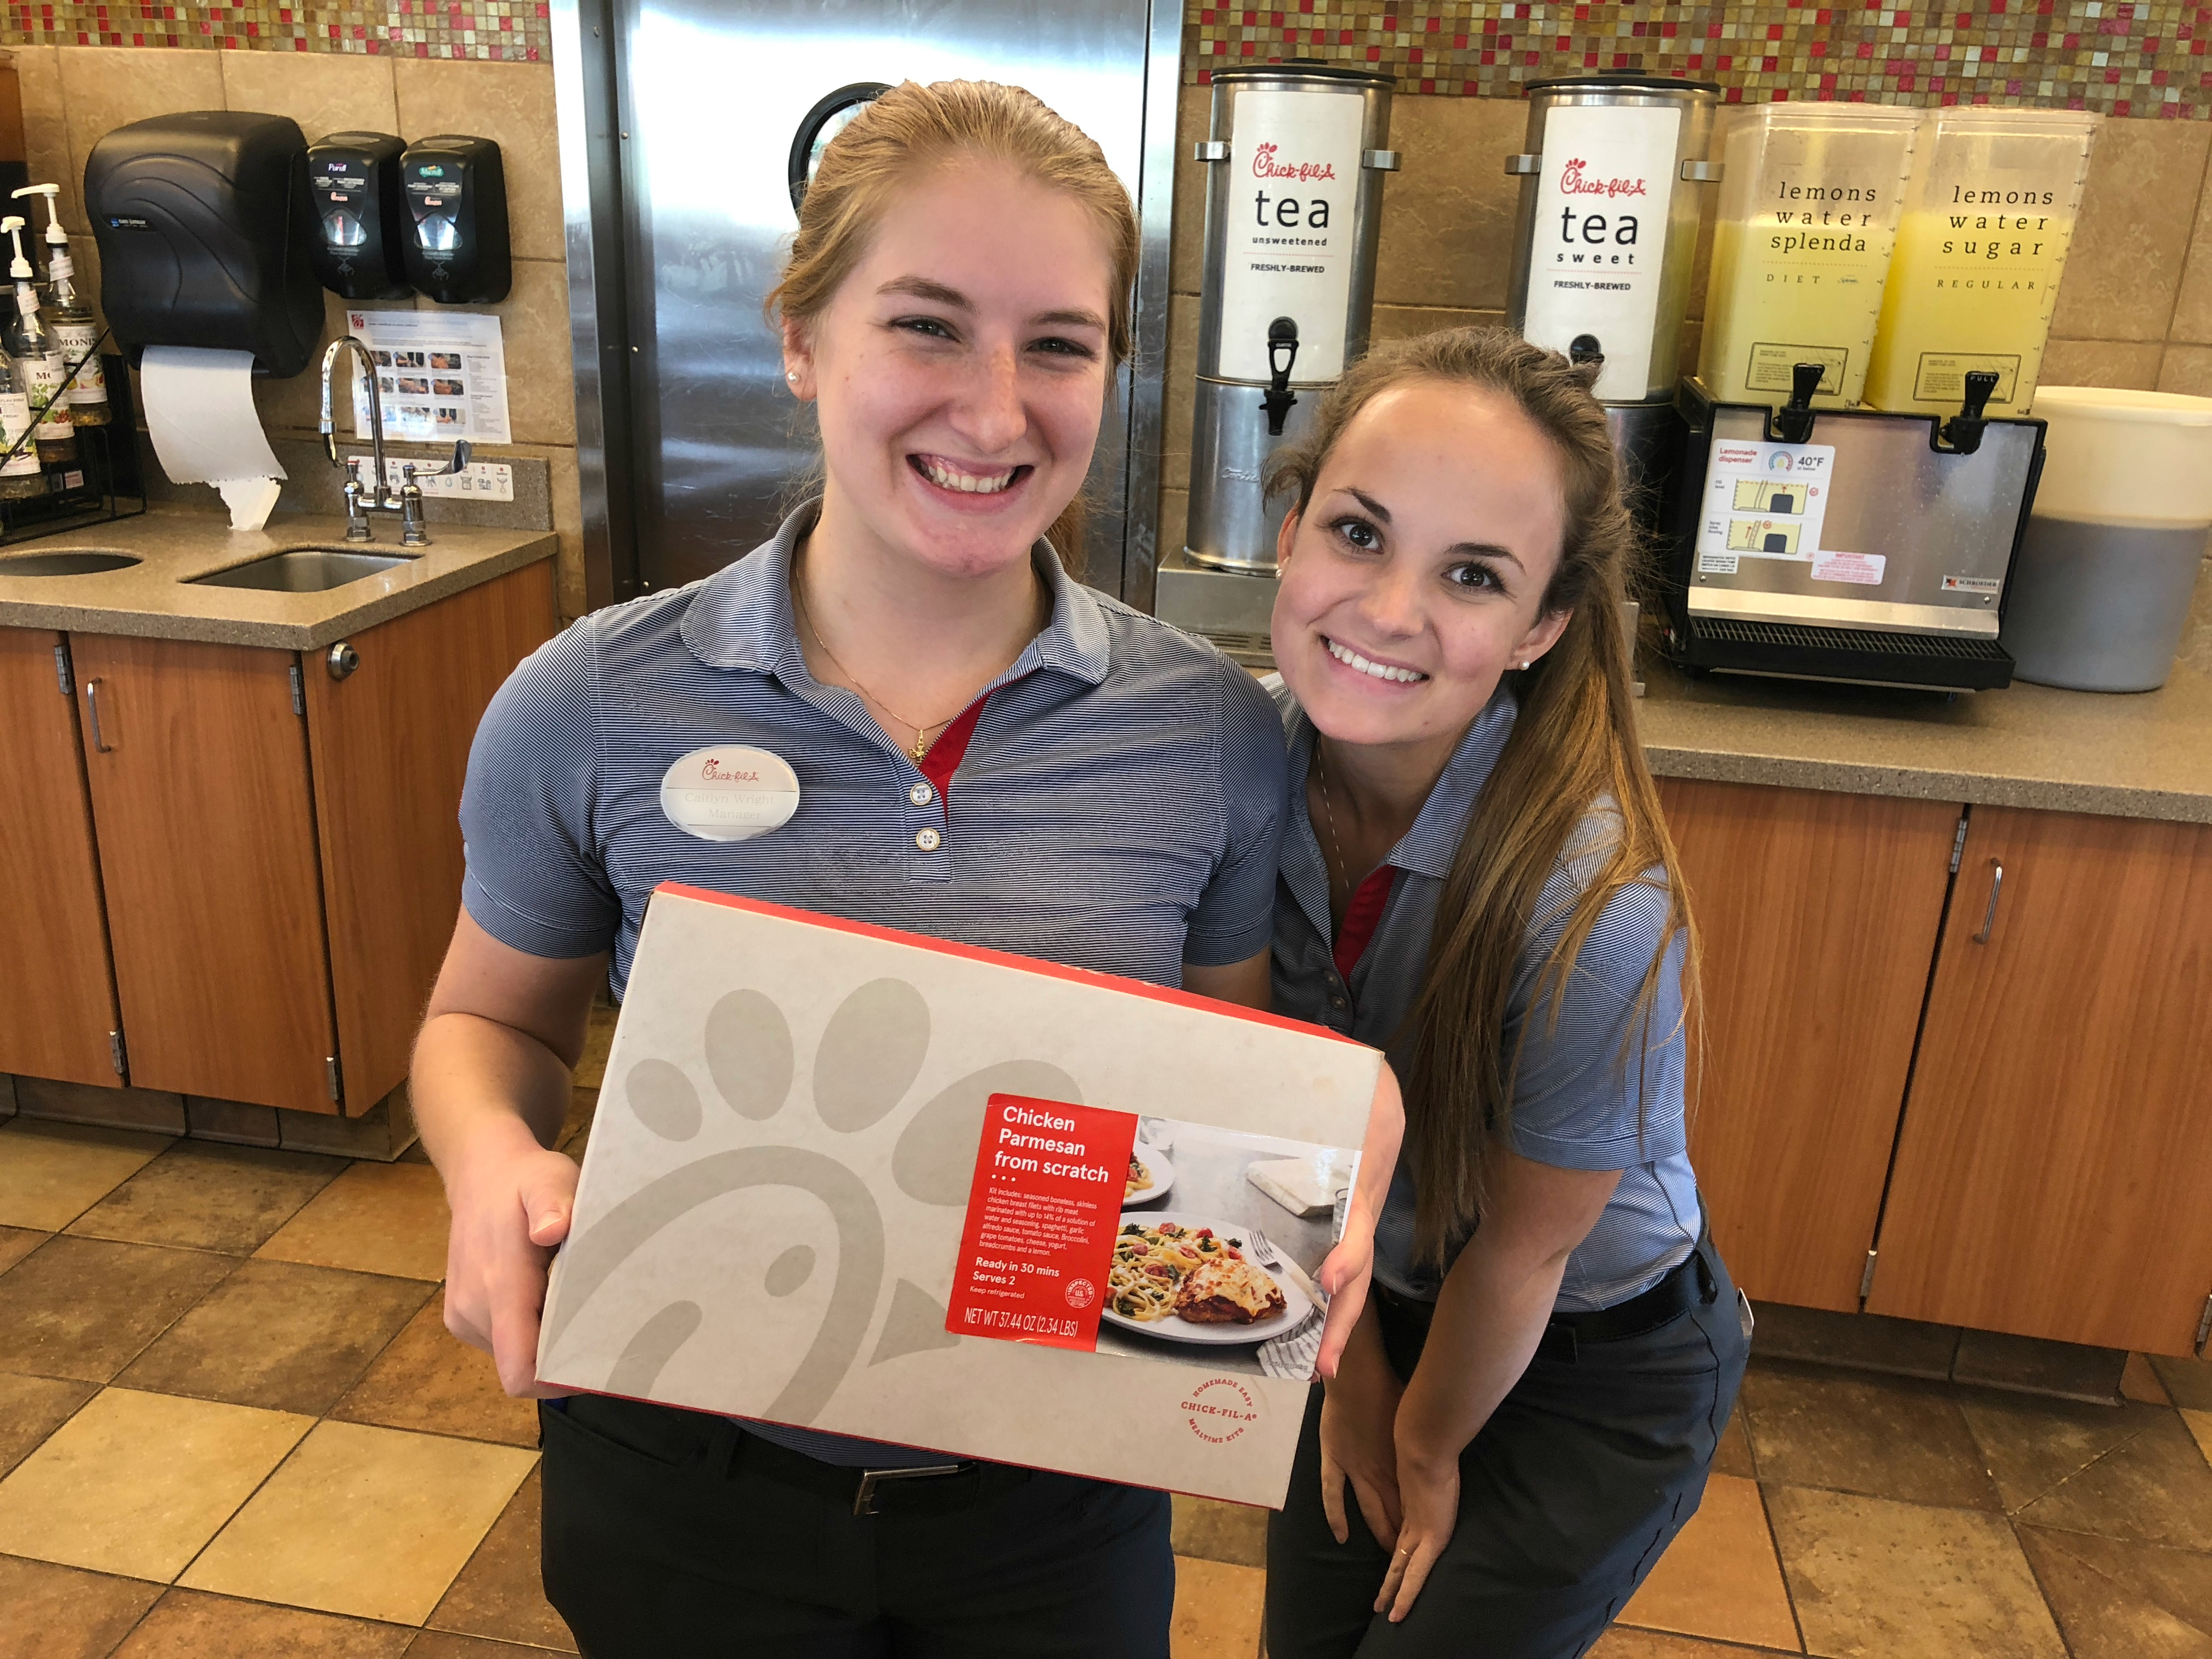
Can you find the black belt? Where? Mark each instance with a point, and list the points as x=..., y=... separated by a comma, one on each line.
x=933, y=1489
x=1688, y=1283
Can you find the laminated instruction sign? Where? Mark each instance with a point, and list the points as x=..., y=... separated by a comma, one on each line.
x=440, y=375
x=878, y=1184
x=1767, y=500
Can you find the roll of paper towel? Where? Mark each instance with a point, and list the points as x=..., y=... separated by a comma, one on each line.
x=199, y=409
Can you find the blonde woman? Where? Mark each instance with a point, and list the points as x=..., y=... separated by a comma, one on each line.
x=987, y=751
x=1476, y=876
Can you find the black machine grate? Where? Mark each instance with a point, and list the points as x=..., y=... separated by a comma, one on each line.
x=1873, y=642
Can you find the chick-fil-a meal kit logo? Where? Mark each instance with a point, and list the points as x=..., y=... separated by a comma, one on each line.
x=1265, y=165
x=1574, y=181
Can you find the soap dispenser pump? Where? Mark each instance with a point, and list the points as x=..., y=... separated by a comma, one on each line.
x=76, y=332
x=39, y=361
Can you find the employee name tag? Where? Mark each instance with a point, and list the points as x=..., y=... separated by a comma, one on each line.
x=729, y=792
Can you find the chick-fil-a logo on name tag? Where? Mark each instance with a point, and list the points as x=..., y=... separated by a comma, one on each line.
x=732, y=791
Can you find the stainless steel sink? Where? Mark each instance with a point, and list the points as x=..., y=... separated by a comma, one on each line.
x=304, y=570
x=84, y=563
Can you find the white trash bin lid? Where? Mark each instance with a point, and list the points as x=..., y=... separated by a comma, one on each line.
x=2126, y=458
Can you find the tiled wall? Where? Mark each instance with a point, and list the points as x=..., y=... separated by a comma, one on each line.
x=2118, y=58
x=2135, y=309
x=499, y=30
x=72, y=95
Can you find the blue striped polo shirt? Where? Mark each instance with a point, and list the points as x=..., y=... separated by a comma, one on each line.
x=1576, y=1095
x=1118, y=806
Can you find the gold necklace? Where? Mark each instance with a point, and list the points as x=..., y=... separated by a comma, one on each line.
x=1339, y=871
x=920, y=749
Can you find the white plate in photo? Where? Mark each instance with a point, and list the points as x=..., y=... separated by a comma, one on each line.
x=1175, y=1329
x=1161, y=1171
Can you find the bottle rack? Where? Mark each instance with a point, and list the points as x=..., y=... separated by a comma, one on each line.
x=102, y=484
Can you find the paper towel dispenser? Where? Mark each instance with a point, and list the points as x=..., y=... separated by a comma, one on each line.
x=206, y=236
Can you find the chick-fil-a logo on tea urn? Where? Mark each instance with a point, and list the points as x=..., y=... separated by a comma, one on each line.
x=1575, y=180
x=1265, y=165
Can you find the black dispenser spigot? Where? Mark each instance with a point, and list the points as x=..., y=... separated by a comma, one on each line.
x=1584, y=351
x=1282, y=353
x=1962, y=434
x=1793, y=421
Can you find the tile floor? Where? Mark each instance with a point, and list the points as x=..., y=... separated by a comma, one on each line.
x=232, y=1424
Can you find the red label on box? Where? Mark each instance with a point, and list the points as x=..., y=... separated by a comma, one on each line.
x=1042, y=1212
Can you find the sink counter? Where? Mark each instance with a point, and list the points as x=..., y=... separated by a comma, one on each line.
x=2144, y=755
x=158, y=597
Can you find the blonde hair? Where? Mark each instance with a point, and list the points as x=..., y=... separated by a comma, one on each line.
x=911, y=128
x=1574, y=741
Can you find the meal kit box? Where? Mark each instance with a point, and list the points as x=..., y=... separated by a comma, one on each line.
x=875, y=1183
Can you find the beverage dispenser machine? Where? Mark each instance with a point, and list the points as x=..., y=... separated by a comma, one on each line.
x=1293, y=210
x=1612, y=176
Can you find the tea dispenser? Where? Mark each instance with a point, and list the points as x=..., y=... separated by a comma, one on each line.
x=1293, y=210
x=1606, y=242
x=1988, y=219
x=1802, y=242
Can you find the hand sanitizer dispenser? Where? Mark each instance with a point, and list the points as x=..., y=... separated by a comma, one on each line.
x=456, y=249
x=353, y=178
x=206, y=236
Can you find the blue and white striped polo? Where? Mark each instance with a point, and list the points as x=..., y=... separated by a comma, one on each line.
x=1118, y=806
x=1576, y=1097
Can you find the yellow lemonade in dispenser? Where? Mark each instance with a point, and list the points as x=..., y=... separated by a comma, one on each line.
x=1807, y=216
x=1988, y=221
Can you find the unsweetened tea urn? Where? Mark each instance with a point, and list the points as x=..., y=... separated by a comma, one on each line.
x=1988, y=221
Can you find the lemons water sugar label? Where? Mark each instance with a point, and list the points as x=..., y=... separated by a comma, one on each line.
x=1762, y=501
x=730, y=792
x=1044, y=1210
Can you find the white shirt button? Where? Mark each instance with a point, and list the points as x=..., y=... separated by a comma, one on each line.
x=927, y=840
x=920, y=795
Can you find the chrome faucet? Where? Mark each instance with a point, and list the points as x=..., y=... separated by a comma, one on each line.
x=379, y=498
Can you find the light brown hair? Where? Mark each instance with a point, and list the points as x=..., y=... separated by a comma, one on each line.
x=1573, y=742
x=911, y=128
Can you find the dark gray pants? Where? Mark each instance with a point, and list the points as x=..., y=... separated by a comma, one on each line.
x=663, y=1539
x=1582, y=1477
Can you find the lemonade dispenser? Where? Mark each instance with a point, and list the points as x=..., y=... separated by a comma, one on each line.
x=1988, y=219
x=1807, y=217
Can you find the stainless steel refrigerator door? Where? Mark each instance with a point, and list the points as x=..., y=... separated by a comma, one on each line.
x=678, y=121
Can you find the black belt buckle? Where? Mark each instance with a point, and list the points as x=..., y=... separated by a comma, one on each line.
x=864, y=1496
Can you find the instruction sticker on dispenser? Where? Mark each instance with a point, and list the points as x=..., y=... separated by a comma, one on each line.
x=1293, y=186
x=440, y=374
x=1763, y=502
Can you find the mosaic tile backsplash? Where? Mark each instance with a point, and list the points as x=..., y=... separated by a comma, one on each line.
x=2121, y=59
x=499, y=30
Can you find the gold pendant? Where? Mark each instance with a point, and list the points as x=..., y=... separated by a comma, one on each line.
x=920, y=749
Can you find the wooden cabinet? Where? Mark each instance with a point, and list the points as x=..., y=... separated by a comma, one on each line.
x=278, y=845
x=2053, y=1170
x=57, y=1018
x=1820, y=914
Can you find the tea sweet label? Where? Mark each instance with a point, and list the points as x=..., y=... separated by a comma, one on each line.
x=1293, y=184
x=1601, y=236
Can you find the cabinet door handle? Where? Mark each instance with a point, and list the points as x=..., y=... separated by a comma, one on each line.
x=92, y=707
x=1989, y=915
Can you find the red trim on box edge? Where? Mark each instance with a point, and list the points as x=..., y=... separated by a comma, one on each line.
x=1007, y=959
x=941, y=1451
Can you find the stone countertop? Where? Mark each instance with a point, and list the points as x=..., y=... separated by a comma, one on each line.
x=2144, y=755
x=156, y=597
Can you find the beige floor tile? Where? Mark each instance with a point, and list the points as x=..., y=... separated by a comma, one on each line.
x=193, y=1625
x=2200, y=1425
x=374, y=1218
x=1886, y=1436
x=444, y=1644
x=2139, y=1382
x=85, y=1307
x=136, y=1483
x=33, y=1407
x=1220, y=1532
x=429, y=1379
x=1719, y=1576
x=51, y=1173
x=2155, y=1489
x=1217, y=1611
x=2112, y=1608
x=1872, y=1576
x=427, y=1503
x=1734, y=1456
x=16, y=1243
x=206, y=1195
x=1622, y=1642
x=501, y=1593
x=49, y=1612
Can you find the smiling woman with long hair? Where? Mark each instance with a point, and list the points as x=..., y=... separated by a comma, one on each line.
x=1476, y=877
x=985, y=750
